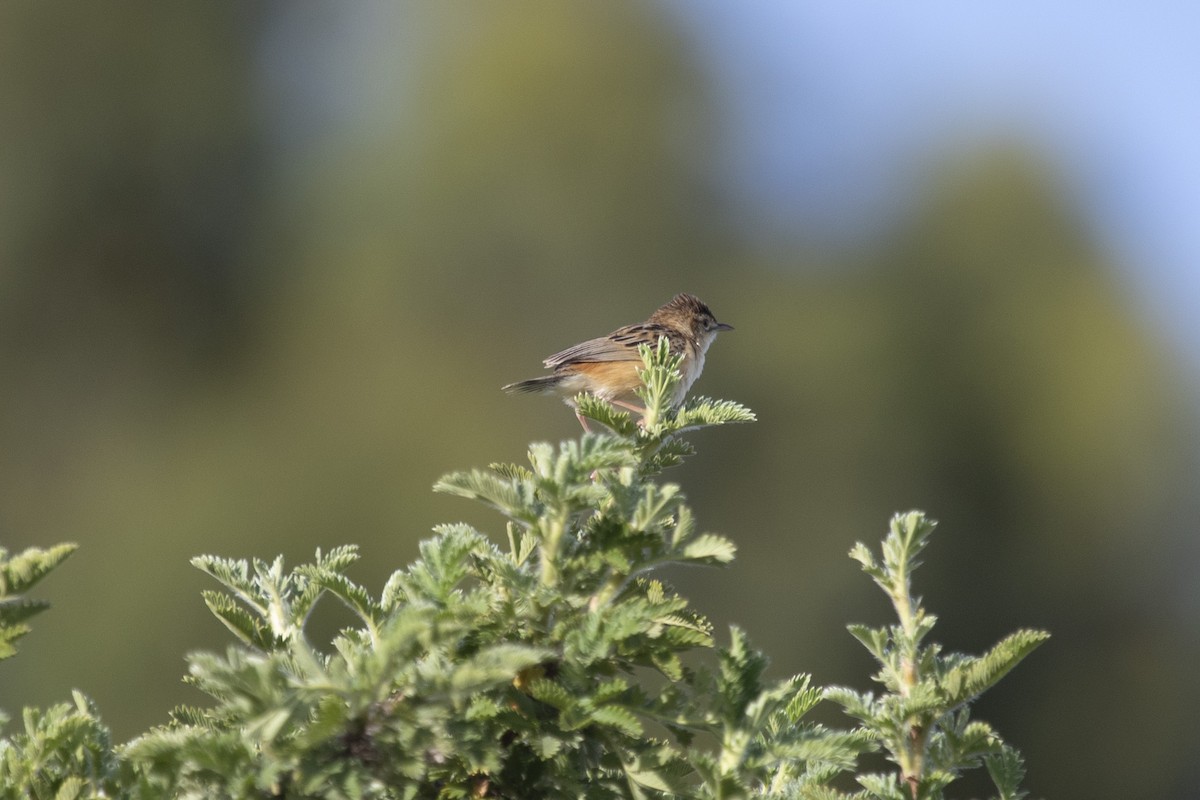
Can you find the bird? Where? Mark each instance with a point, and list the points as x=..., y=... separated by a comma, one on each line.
x=608, y=365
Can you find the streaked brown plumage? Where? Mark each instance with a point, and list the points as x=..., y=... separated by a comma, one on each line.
x=607, y=366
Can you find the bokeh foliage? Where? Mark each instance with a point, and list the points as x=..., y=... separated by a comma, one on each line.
x=211, y=341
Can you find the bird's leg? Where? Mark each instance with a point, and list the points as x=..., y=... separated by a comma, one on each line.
x=634, y=408
x=631, y=406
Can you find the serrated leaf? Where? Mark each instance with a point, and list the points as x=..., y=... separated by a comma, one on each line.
x=682, y=632
x=483, y=707
x=546, y=746
x=863, y=555
x=907, y=537
x=8, y=635
x=505, y=496
x=551, y=693
x=596, y=451
x=804, y=697
x=496, y=664
x=685, y=525
x=876, y=640
x=15, y=610
x=969, y=740
x=654, y=506
x=972, y=679
x=512, y=472
x=670, y=453
x=393, y=593
x=653, y=770
x=669, y=664
x=660, y=375
x=618, y=717
x=234, y=574
x=1007, y=770
x=267, y=727
x=610, y=690
x=20, y=572
x=710, y=548
x=190, y=715
x=242, y=623
x=71, y=788
x=704, y=411
x=922, y=699
x=355, y=597
x=593, y=408
x=337, y=559
x=445, y=561
x=329, y=720
x=883, y=787
x=655, y=592
x=860, y=705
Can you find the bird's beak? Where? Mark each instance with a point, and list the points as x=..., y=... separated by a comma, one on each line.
x=724, y=326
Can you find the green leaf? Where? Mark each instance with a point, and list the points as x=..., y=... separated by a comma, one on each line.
x=592, y=407
x=21, y=572
x=659, y=378
x=551, y=693
x=670, y=453
x=863, y=555
x=703, y=411
x=657, y=770
x=510, y=497
x=740, y=674
x=17, y=574
x=804, y=697
x=446, y=560
x=8, y=635
x=71, y=788
x=655, y=506
x=594, y=451
x=261, y=593
x=497, y=664
x=15, y=610
x=709, y=548
x=967, y=682
x=618, y=717
x=355, y=597
x=546, y=746
x=246, y=626
x=884, y=787
x=337, y=559
x=510, y=472
x=862, y=706
x=1007, y=770
x=610, y=690
x=669, y=664
x=908, y=536
x=876, y=640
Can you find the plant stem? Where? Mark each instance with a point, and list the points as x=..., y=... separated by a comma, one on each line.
x=913, y=752
x=552, y=535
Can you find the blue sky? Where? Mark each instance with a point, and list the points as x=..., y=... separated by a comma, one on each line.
x=835, y=105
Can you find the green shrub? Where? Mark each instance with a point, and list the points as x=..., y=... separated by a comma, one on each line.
x=550, y=667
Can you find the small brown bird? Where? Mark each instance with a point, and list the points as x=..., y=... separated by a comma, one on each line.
x=607, y=367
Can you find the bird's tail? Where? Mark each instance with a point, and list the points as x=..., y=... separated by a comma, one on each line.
x=546, y=383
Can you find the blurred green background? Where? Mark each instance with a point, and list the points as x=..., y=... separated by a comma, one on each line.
x=263, y=268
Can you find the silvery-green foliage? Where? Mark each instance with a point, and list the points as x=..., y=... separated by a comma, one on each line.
x=547, y=658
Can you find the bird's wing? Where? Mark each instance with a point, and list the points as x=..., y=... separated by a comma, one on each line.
x=620, y=345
